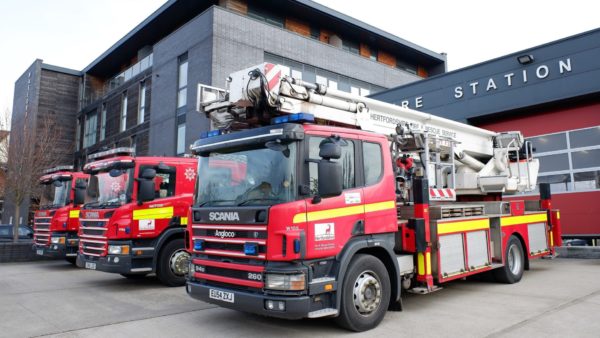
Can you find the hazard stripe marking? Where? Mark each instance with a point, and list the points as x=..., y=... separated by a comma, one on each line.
x=155, y=213
x=513, y=220
x=450, y=227
x=341, y=212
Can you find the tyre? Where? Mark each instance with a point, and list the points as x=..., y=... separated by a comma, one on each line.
x=134, y=275
x=514, y=263
x=365, y=294
x=71, y=260
x=173, y=262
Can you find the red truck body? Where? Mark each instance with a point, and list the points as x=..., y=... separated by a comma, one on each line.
x=124, y=234
x=57, y=222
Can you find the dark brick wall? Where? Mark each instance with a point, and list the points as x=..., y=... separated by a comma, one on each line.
x=18, y=252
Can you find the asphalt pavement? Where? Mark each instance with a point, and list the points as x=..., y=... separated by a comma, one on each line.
x=556, y=298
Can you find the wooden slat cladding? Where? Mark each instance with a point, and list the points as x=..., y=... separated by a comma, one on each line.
x=297, y=26
x=365, y=51
x=240, y=6
x=386, y=58
x=422, y=72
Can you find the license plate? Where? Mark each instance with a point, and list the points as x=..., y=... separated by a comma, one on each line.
x=40, y=252
x=221, y=295
x=90, y=265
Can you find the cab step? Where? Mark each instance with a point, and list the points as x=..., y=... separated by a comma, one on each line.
x=323, y=313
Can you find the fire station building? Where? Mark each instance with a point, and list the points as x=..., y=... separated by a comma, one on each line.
x=551, y=93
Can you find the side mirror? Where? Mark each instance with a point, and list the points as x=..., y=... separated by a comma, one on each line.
x=79, y=197
x=145, y=190
x=330, y=178
x=148, y=174
x=330, y=150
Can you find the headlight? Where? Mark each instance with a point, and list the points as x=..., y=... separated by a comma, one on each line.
x=295, y=282
x=118, y=249
x=57, y=240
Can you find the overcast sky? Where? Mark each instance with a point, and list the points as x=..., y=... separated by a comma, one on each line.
x=72, y=33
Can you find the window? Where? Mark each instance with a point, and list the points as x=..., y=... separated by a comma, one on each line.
x=315, y=33
x=372, y=162
x=77, y=135
x=265, y=16
x=552, y=142
x=373, y=54
x=103, y=122
x=181, y=138
x=90, y=127
x=347, y=160
x=569, y=161
x=406, y=67
x=164, y=182
x=350, y=46
x=182, y=82
x=123, y=124
x=142, y=105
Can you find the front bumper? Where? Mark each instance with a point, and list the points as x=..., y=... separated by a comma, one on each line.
x=55, y=250
x=109, y=263
x=296, y=307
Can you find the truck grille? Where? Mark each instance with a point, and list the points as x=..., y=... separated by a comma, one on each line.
x=222, y=259
x=41, y=230
x=92, y=238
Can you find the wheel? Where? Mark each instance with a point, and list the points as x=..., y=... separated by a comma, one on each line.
x=173, y=263
x=514, y=263
x=365, y=294
x=71, y=260
x=134, y=275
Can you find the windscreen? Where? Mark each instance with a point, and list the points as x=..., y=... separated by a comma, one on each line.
x=55, y=194
x=109, y=188
x=255, y=176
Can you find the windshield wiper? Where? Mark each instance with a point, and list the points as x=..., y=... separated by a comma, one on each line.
x=258, y=199
x=213, y=201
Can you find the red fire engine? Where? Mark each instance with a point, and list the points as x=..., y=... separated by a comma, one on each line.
x=55, y=224
x=340, y=202
x=134, y=218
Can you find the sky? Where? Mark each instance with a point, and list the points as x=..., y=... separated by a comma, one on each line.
x=72, y=33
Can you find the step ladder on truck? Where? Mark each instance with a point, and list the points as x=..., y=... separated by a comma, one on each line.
x=315, y=202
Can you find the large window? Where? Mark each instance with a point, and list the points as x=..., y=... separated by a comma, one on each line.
x=266, y=16
x=372, y=162
x=90, y=127
x=123, y=123
x=77, y=135
x=103, y=122
x=569, y=161
x=182, y=82
x=333, y=80
x=142, y=105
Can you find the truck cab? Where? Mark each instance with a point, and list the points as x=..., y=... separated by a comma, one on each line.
x=134, y=218
x=57, y=221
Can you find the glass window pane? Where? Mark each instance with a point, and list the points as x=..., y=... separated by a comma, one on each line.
x=558, y=183
x=553, y=162
x=296, y=74
x=181, y=139
x=182, y=98
x=586, y=158
x=373, y=162
x=587, y=180
x=347, y=160
x=183, y=74
x=585, y=138
x=551, y=142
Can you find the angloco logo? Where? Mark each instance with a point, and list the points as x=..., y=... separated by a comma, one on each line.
x=224, y=233
x=223, y=216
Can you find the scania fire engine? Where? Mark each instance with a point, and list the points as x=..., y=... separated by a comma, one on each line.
x=134, y=218
x=56, y=223
x=333, y=203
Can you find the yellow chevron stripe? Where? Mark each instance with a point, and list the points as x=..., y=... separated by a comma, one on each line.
x=512, y=220
x=444, y=228
x=74, y=214
x=341, y=212
x=184, y=220
x=155, y=213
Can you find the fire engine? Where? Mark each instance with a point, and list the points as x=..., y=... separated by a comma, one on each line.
x=134, y=218
x=55, y=224
x=333, y=203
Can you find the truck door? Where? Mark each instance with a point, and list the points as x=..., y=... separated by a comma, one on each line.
x=331, y=221
x=151, y=218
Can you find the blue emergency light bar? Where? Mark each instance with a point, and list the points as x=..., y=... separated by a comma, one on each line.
x=211, y=133
x=298, y=117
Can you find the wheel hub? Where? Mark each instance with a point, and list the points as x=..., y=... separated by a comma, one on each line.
x=514, y=260
x=179, y=262
x=367, y=293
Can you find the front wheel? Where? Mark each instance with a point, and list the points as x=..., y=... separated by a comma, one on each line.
x=365, y=294
x=173, y=263
x=514, y=263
